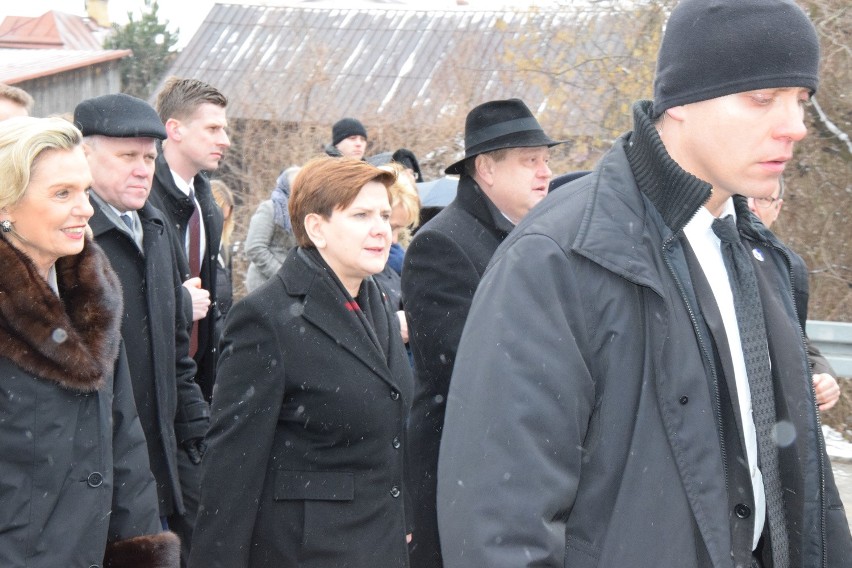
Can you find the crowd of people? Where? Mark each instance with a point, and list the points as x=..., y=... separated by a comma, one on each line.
x=606, y=368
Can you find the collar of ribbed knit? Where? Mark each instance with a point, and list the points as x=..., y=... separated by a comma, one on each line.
x=674, y=192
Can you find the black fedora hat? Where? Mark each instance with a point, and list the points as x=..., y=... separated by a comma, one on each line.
x=500, y=124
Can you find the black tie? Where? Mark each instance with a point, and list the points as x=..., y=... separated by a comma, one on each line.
x=127, y=221
x=194, y=228
x=755, y=351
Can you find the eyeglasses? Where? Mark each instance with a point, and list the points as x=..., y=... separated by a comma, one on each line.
x=766, y=202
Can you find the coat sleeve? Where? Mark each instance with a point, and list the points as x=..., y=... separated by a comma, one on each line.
x=801, y=294
x=259, y=238
x=193, y=413
x=519, y=405
x=438, y=284
x=135, y=533
x=245, y=412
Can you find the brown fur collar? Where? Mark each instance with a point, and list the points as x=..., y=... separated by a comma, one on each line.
x=73, y=341
x=150, y=551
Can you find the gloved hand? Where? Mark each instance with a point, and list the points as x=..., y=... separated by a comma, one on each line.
x=195, y=448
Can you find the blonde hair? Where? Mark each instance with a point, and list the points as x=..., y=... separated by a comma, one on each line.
x=402, y=191
x=223, y=196
x=22, y=141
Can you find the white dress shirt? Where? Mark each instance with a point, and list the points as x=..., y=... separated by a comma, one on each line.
x=707, y=248
x=186, y=187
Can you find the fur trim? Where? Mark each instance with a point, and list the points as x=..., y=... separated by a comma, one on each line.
x=74, y=340
x=149, y=551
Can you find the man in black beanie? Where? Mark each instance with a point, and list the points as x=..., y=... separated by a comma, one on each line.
x=348, y=139
x=632, y=386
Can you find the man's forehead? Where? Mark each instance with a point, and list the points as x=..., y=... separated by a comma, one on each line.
x=530, y=150
x=130, y=142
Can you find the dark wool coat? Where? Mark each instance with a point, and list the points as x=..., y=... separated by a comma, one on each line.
x=177, y=209
x=155, y=331
x=75, y=486
x=581, y=425
x=304, y=466
x=442, y=269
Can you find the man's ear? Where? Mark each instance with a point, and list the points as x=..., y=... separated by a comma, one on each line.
x=485, y=169
x=314, y=225
x=676, y=113
x=173, y=129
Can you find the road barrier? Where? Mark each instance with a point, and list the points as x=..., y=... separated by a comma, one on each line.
x=834, y=339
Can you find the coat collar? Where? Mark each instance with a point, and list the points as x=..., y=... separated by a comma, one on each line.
x=103, y=220
x=472, y=199
x=176, y=200
x=72, y=341
x=325, y=306
x=637, y=191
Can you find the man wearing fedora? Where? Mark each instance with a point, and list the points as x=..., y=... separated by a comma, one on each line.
x=632, y=386
x=120, y=135
x=504, y=173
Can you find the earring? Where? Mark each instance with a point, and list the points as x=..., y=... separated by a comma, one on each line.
x=6, y=226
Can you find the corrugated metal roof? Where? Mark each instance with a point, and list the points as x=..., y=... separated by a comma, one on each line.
x=51, y=30
x=18, y=65
x=297, y=64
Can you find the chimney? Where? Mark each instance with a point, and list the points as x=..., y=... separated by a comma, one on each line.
x=98, y=11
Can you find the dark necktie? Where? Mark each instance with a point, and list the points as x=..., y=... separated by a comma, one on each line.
x=753, y=338
x=127, y=221
x=194, y=228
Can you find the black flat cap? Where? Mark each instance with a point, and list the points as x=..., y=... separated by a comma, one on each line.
x=118, y=116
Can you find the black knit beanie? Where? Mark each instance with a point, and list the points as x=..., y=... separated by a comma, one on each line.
x=713, y=48
x=346, y=127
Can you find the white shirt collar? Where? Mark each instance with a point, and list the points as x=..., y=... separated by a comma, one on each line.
x=183, y=185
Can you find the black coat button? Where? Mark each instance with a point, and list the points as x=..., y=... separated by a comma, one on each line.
x=684, y=399
x=396, y=443
x=743, y=511
x=395, y=395
x=95, y=479
x=395, y=492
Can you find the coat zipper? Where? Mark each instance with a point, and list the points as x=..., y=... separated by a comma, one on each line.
x=694, y=320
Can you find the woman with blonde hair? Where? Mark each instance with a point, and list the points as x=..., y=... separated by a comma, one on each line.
x=75, y=482
x=224, y=198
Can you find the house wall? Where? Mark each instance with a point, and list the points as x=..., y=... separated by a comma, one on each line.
x=61, y=92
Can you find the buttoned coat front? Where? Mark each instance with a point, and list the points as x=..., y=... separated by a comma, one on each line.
x=75, y=484
x=304, y=465
x=170, y=404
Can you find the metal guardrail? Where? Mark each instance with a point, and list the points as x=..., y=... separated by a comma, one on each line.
x=834, y=340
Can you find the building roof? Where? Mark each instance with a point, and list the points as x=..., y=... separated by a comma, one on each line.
x=51, y=30
x=20, y=65
x=307, y=64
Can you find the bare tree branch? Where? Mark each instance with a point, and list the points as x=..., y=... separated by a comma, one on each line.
x=831, y=127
